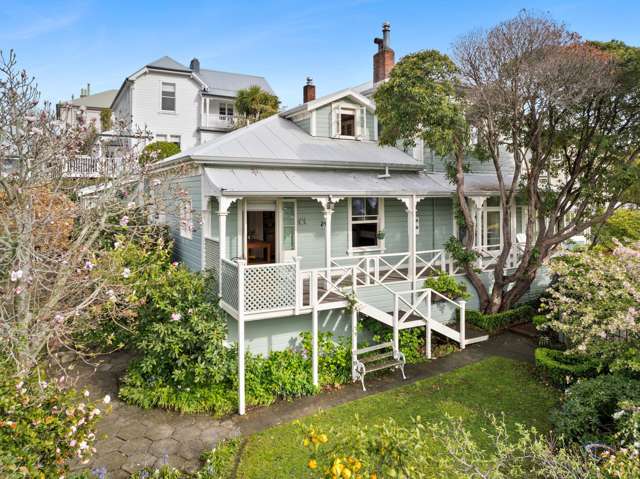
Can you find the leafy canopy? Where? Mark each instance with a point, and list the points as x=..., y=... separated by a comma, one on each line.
x=420, y=101
x=255, y=104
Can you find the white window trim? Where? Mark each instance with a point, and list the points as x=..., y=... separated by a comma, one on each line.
x=337, y=109
x=380, y=246
x=280, y=251
x=175, y=98
x=186, y=219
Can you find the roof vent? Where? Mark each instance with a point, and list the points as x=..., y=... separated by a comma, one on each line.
x=195, y=65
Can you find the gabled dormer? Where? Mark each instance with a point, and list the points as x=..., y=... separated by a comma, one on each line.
x=346, y=114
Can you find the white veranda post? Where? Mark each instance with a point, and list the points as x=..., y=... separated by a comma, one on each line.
x=241, y=348
x=223, y=211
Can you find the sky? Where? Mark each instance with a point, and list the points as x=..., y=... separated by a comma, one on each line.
x=67, y=44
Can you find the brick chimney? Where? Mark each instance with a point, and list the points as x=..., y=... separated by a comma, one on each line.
x=309, y=91
x=384, y=59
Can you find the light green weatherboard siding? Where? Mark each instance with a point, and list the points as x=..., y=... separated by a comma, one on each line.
x=304, y=123
x=323, y=121
x=311, y=239
x=186, y=250
x=434, y=163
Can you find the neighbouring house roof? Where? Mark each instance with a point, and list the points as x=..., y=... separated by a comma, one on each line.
x=228, y=84
x=97, y=100
x=168, y=63
x=214, y=82
x=246, y=181
x=276, y=141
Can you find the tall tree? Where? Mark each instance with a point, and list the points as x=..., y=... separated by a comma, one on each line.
x=50, y=242
x=255, y=104
x=539, y=99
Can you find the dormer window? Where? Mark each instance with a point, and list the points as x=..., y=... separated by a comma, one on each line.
x=348, y=123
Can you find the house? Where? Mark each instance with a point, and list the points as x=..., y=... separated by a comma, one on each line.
x=309, y=224
x=89, y=105
x=184, y=105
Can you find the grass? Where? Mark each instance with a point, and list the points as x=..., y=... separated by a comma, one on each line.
x=495, y=385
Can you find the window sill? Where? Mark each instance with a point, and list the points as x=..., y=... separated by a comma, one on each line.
x=366, y=249
x=167, y=112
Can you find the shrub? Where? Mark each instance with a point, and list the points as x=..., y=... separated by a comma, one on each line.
x=447, y=285
x=334, y=357
x=158, y=150
x=594, y=307
x=587, y=411
x=441, y=449
x=495, y=322
x=42, y=427
x=562, y=369
x=623, y=225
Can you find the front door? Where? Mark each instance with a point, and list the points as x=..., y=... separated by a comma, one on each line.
x=261, y=232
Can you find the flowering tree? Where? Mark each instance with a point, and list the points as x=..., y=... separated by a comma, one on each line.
x=53, y=228
x=594, y=304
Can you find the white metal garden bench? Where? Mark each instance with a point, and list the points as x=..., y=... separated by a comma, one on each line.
x=375, y=358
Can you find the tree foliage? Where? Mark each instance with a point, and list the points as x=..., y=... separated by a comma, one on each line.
x=543, y=104
x=254, y=104
x=158, y=150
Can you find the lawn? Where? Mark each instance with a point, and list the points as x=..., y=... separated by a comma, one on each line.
x=495, y=385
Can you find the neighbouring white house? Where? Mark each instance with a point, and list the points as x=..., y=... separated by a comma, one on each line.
x=183, y=105
x=87, y=105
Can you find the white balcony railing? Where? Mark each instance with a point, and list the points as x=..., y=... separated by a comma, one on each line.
x=91, y=167
x=213, y=120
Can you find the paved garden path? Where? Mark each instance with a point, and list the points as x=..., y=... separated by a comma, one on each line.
x=131, y=438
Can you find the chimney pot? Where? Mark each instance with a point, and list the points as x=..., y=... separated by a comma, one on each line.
x=309, y=91
x=384, y=58
x=195, y=65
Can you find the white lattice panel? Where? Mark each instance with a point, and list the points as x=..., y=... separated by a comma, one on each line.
x=212, y=255
x=270, y=287
x=229, y=285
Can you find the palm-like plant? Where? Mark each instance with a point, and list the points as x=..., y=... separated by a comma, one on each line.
x=255, y=104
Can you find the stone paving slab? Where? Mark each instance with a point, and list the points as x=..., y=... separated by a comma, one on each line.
x=131, y=438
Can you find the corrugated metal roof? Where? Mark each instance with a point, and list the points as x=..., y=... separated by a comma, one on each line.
x=228, y=84
x=306, y=182
x=277, y=140
x=168, y=63
x=98, y=100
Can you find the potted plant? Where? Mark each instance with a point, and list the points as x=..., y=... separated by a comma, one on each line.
x=380, y=235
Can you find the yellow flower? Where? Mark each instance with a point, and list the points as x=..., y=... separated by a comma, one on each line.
x=373, y=476
x=305, y=443
x=346, y=473
x=323, y=438
x=312, y=464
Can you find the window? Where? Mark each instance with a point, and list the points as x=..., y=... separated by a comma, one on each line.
x=226, y=111
x=168, y=97
x=288, y=225
x=186, y=219
x=364, y=222
x=348, y=123
x=492, y=223
x=161, y=137
x=175, y=139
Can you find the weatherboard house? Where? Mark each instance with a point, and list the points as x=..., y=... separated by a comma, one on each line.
x=309, y=224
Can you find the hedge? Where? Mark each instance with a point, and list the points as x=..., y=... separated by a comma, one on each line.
x=497, y=321
x=562, y=369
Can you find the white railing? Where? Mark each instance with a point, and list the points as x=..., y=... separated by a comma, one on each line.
x=420, y=305
x=91, y=167
x=270, y=287
x=229, y=283
x=215, y=120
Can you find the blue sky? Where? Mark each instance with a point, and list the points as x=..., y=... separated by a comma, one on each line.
x=66, y=44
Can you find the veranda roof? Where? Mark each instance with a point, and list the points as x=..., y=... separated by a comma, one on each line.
x=320, y=182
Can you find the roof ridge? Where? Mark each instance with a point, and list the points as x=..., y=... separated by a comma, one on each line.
x=232, y=73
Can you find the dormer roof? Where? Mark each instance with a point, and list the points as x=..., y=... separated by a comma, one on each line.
x=347, y=93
